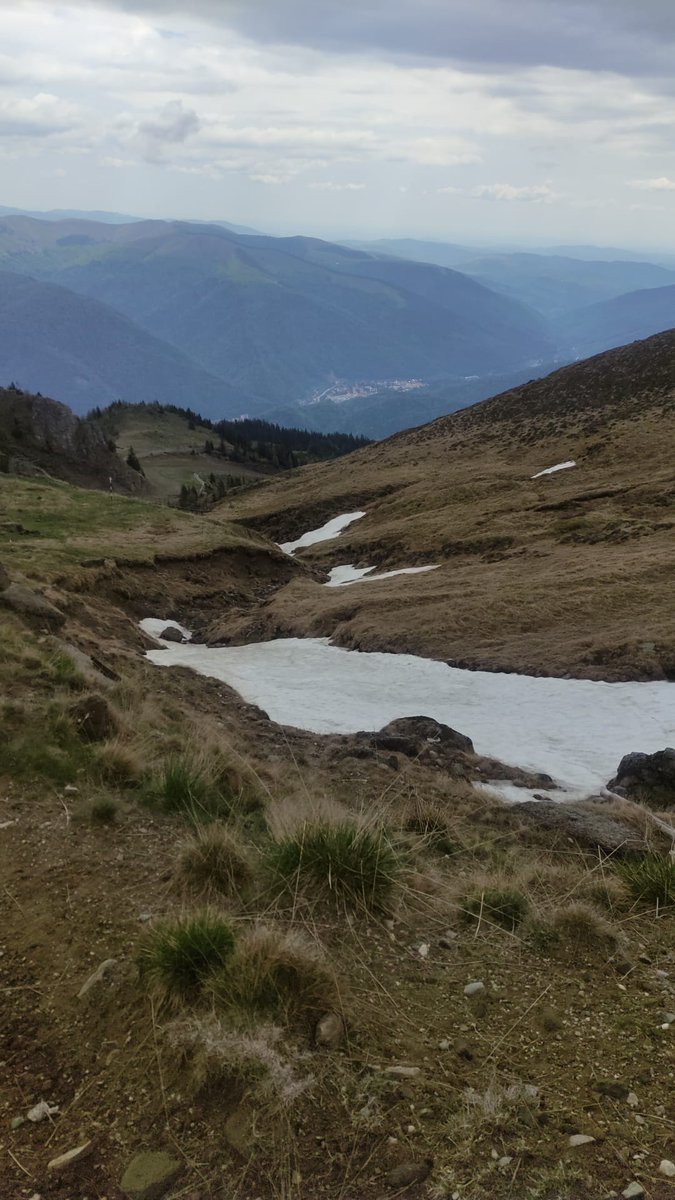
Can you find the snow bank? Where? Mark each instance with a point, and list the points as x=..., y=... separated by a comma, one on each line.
x=343, y=576
x=331, y=529
x=552, y=470
x=575, y=730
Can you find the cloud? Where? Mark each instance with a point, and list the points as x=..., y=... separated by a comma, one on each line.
x=172, y=125
x=663, y=184
x=40, y=116
x=330, y=185
x=538, y=193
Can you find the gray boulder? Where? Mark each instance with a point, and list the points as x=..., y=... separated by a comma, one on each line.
x=649, y=778
x=584, y=823
x=30, y=604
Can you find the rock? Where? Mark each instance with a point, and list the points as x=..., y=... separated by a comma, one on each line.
x=581, y=1139
x=71, y=1157
x=649, y=778
x=94, y=718
x=423, y=949
x=464, y=1050
x=329, y=1031
x=95, y=673
x=30, y=604
x=472, y=989
x=17, y=1122
x=505, y=1160
x=149, y=1175
x=612, y=1088
x=418, y=733
x=585, y=823
x=667, y=1018
x=4, y=579
x=41, y=1111
x=667, y=1168
x=633, y=1191
x=632, y=1100
x=171, y=634
x=97, y=976
x=448, y=941
x=402, y=1072
x=408, y=1173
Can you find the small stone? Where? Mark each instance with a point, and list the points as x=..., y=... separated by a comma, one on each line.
x=581, y=1139
x=17, y=1122
x=70, y=790
x=423, y=949
x=149, y=1175
x=330, y=1030
x=409, y=1173
x=667, y=1168
x=402, y=1072
x=448, y=940
x=97, y=976
x=667, y=1018
x=612, y=1088
x=63, y=1161
x=505, y=1160
x=632, y=1099
x=445, y=1044
x=633, y=1191
x=41, y=1111
x=472, y=989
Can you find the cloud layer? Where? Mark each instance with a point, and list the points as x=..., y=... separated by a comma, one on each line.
x=396, y=116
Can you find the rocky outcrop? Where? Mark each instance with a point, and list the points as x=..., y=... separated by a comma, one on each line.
x=32, y=605
x=649, y=778
x=40, y=435
x=584, y=824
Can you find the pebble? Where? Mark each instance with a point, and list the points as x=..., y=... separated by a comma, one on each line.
x=63, y=1161
x=505, y=1160
x=472, y=989
x=17, y=1122
x=633, y=1191
x=423, y=949
x=448, y=940
x=402, y=1072
x=632, y=1099
x=41, y=1111
x=667, y=1168
x=581, y=1139
x=445, y=1044
x=97, y=977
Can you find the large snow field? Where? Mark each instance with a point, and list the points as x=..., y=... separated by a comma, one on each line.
x=325, y=533
x=573, y=729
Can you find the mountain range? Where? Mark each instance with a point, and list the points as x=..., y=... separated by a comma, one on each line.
x=298, y=330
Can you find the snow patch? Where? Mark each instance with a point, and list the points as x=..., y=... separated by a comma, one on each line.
x=325, y=533
x=575, y=730
x=552, y=470
x=343, y=576
x=153, y=626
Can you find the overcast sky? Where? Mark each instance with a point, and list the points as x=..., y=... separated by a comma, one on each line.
x=485, y=120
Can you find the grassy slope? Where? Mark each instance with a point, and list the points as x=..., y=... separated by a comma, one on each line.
x=566, y=573
x=78, y=891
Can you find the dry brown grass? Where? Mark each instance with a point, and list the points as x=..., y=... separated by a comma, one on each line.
x=280, y=973
x=216, y=863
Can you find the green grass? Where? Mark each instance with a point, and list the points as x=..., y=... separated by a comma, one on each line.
x=197, y=790
x=41, y=744
x=177, y=956
x=650, y=880
x=506, y=907
x=347, y=865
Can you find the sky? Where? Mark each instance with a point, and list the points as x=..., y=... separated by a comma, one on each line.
x=524, y=122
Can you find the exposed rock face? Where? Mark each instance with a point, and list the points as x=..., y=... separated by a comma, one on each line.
x=647, y=777
x=41, y=435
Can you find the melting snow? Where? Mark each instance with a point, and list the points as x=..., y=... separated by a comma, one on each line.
x=552, y=470
x=573, y=729
x=343, y=576
x=154, y=627
x=331, y=529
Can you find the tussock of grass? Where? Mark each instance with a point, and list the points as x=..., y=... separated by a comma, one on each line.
x=350, y=866
x=580, y=927
x=427, y=822
x=216, y=862
x=120, y=764
x=41, y=744
x=178, y=955
x=103, y=811
x=506, y=907
x=246, y=1062
x=275, y=973
x=200, y=789
x=651, y=879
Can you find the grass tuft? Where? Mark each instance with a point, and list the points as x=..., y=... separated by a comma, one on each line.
x=216, y=862
x=198, y=790
x=103, y=811
x=651, y=879
x=178, y=955
x=506, y=907
x=347, y=865
x=581, y=927
x=277, y=974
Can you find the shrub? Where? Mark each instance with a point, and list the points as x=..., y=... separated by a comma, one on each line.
x=216, y=862
x=496, y=906
x=350, y=866
x=650, y=879
x=178, y=955
x=275, y=973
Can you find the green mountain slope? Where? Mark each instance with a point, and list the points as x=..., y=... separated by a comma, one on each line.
x=616, y=322
x=83, y=353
